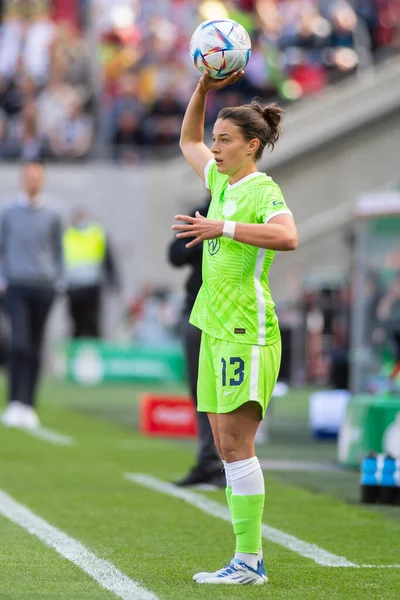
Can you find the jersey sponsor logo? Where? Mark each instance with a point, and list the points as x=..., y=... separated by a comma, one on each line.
x=278, y=203
x=213, y=246
x=240, y=330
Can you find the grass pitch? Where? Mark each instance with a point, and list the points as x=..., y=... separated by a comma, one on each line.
x=160, y=541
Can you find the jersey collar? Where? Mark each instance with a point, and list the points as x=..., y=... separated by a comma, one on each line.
x=251, y=176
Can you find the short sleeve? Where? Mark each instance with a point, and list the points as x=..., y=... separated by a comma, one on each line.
x=271, y=203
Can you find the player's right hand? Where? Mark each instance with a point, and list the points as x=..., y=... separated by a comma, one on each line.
x=208, y=83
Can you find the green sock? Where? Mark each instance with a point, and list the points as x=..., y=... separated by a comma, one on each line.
x=246, y=512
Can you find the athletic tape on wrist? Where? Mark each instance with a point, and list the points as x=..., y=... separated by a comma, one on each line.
x=229, y=229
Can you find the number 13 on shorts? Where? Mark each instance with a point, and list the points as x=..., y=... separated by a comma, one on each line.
x=231, y=374
x=238, y=373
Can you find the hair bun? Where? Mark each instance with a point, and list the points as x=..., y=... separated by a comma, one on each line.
x=272, y=115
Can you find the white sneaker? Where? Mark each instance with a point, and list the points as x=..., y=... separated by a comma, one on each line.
x=235, y=573
x=30, y=420
x=13, y=415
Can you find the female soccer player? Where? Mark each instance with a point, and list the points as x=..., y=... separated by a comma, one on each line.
x=240, y=353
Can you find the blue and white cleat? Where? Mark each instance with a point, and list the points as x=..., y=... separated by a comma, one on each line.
x=205, y=574
x=236, y=573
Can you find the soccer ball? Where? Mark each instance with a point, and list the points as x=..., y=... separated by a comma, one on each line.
x=220, y=47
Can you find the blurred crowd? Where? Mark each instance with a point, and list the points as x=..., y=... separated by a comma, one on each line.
x=298, y=47
x=329, y=311
x=46, y=98
x=54, y=101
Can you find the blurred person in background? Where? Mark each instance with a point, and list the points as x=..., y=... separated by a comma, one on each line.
x=125, y=118
x=15, y=94
x=388, y=314
x=71, y=53
x=36, y=44
x=339, y=374
x=89, y=265
x=166, y=117
x=72, y=138
x=127, y=138
x=152, y=317
x=23, y=137
x=208, y=468
x=31, y=271
x=55, y=103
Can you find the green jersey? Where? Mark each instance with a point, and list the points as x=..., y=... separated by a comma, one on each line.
x=234, y=303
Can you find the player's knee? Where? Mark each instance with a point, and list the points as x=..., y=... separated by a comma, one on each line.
x=236, y=448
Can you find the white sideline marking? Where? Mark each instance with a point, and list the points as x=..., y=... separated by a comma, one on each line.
x=379, y=566
x=215, y=509
x=102, y=571
x=51, y=436
x=48, y=434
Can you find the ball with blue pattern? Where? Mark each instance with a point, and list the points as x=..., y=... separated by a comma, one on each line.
x=221, y=47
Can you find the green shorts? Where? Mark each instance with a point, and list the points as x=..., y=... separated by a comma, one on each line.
x=231, y=374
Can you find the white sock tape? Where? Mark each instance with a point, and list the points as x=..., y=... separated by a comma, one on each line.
x=229, y=229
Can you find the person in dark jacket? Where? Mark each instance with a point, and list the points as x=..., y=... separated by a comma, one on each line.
x=208, y=467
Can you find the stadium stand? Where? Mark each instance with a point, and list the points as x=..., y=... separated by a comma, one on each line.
x=50, y=101
x=299, y=48
x=46, y=97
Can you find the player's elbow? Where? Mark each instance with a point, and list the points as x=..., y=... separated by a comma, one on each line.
x=184, y=146
x=290, y=242
x=184, y=143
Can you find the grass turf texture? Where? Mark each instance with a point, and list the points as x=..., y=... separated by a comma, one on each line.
x=160, y=541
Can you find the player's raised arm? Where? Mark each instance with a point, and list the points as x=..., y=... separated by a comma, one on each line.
x=191, y=142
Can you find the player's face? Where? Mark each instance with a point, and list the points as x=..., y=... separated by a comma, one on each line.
x=231, y=151
x=33, y=178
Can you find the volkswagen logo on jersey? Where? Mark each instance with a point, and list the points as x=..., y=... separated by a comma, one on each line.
x=213, y=246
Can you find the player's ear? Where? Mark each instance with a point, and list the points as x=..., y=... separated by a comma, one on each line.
x=253, y=146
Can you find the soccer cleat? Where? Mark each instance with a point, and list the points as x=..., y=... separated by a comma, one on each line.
x=236, y=573
x=30, y=420
x=199, y=475
x=13, y=415
x=205, y=574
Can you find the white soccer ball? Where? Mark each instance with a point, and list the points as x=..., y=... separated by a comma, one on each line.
x=220, y=47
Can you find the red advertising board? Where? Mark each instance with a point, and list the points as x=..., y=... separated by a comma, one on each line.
x=168, y=416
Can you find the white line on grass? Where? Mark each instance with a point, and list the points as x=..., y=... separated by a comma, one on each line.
x=51, y=436
x=379, y=566
x=215, y=509
x=102, y=571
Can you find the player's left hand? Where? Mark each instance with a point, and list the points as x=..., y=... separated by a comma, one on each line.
x=200, y=228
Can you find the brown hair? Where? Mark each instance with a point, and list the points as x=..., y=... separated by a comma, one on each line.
x=256, y=120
